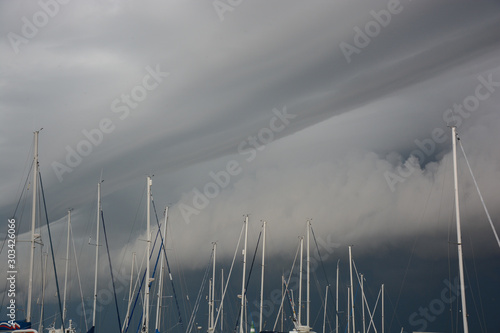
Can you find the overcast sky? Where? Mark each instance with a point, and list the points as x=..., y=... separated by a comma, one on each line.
x=335, y=111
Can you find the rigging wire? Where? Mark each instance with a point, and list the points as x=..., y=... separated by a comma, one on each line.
x=162, y=247
x=152, y=278
x=248, y=280
x=111, y=271
x=21, y=196
x=286, y=291
x=187, y=307
x=51, y=248
x=323, y=268
x=79, y=280
x=198, y=298
x=229, y=274
x=480, y=196
x=480, y=319
x=407, y=269
x=142, y=283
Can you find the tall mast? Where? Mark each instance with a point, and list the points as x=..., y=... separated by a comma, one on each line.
x=348, y=309
x=308, y=274
x=324, y=314
x=459, y=232
x=211, y=298
x=209, y=305
x=145, y=326
x=337, y=301
x=213, y=287
x=66, y=272
x=160, y=283
x=244, y=272
x=352, y=289
x=363, y=302
x=97, y=250
x=222, y=301
x=282, y=297
x=262, y=274
x=300, y=280
x=382, y=308
x=33, y=225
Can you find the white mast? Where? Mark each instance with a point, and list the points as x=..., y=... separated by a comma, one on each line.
x=66, y=271
x=211, y=292
x=459, y=232
x=213, y=289
x=160, y=283
x=145, y=324
x=129, y=294
x=33, y=225
x=363, y=302
x=382, y=308
x=352, y=289
x=262, y=274
x=209, y=305
x=300, y=280
x=308, y=274
x=348, y=309
x=282, y=298
x=324, y=314
x=337, y=301
x=222, y=301
x=244, y=272
x=97, y=250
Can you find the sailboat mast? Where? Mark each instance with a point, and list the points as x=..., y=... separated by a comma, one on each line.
x=308, y=274
x=262, y=274
x=300, y=280
x=222, y=301
x=383, y=308
x=97, y=250
x=348, y=309
x=337, y=300
x=211, y=293
x=33, y=225
x=148, y=273
x=66, y=271
x=459, y=232
x=352, y=290
x=363, y=302
x=244, y=273
x=324, y=313
x=160, y=283
x=209, y=305
x=213, y=288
